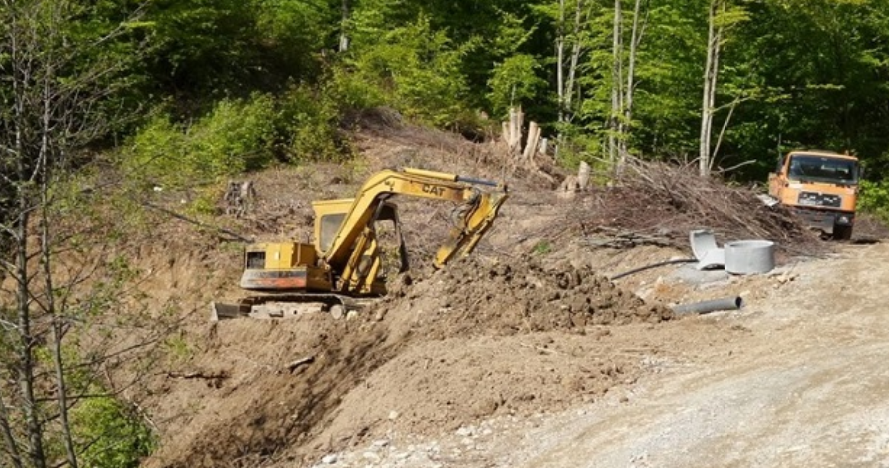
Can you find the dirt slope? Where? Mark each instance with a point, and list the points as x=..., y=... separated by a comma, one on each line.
x=464, y=326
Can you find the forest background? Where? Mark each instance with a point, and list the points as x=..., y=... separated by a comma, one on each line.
x=204, y=88
x=183, y=94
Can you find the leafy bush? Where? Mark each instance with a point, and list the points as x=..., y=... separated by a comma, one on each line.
x=352, y=90
x=234, y=137
x=874, y=198
x=515, y=81
x=307, y=125
x=106, y=432
x=110, y=435
x=412, y=68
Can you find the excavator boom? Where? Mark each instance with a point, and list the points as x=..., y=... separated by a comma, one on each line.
x=414, y=183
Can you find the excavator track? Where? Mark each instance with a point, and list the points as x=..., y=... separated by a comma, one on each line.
x=286, y=305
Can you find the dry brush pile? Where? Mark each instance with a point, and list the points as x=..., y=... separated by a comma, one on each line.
x=659, y=201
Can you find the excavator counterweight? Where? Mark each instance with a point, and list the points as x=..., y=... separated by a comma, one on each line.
x=342, y=270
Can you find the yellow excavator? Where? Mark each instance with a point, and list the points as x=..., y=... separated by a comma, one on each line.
x=343, y=268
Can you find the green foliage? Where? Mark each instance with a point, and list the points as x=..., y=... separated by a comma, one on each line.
x=204, y=202
x=307, y=124
x=236, y=136
x=202, y=48
x=109, y=434
x=874, y=198
x=178, y=347
x=543, y=247
x=514, y=81
x=802, y=73
x=415, y=69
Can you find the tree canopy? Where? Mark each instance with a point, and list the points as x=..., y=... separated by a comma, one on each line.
x=787, y=74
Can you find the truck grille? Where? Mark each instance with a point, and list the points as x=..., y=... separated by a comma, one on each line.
x=819, y=199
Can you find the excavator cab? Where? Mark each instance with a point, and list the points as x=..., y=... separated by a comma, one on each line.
x=367, y=276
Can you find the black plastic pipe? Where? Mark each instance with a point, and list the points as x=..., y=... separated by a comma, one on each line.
x=654, y=265
x=726, y=303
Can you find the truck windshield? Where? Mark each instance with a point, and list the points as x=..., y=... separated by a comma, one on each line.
x=823, y=169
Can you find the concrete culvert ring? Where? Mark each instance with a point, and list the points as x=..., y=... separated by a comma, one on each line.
x=747, y=257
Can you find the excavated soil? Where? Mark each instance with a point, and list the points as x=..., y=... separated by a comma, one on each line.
x=438, y=353
x=475, y=296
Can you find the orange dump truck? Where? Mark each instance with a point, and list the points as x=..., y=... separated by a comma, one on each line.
x=821, y=187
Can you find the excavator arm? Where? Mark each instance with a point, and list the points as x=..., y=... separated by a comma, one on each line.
x=355, y=241
x=472, y=222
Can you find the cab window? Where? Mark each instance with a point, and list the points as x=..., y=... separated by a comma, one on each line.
x=330, y=224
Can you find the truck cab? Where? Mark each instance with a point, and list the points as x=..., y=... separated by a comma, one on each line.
x=821, y=187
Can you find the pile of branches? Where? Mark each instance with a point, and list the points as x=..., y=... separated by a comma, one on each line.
x=669, y=201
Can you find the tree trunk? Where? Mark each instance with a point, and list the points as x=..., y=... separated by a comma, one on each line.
x=47, y=160
x=533, y=142
x=25, y=343
x=709, y=91
x=721, y=135
x=56, y=325
x=560, y=61
x=635, y=37
x=516, y=121
x=575, y=57
x=583, y=175
x=615, y=128
x=712, y=103
x=12, y=449
x=344, y=38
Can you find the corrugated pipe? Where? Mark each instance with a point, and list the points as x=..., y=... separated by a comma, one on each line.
x=727, y=303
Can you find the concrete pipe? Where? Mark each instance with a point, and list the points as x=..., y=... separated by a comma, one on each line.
x=727, y=303
x=747, y=257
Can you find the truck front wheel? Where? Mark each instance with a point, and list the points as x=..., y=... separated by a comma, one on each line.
x=842, y=232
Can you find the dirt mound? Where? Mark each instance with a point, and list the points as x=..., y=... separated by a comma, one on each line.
x=475, y=296
x=466, y=342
